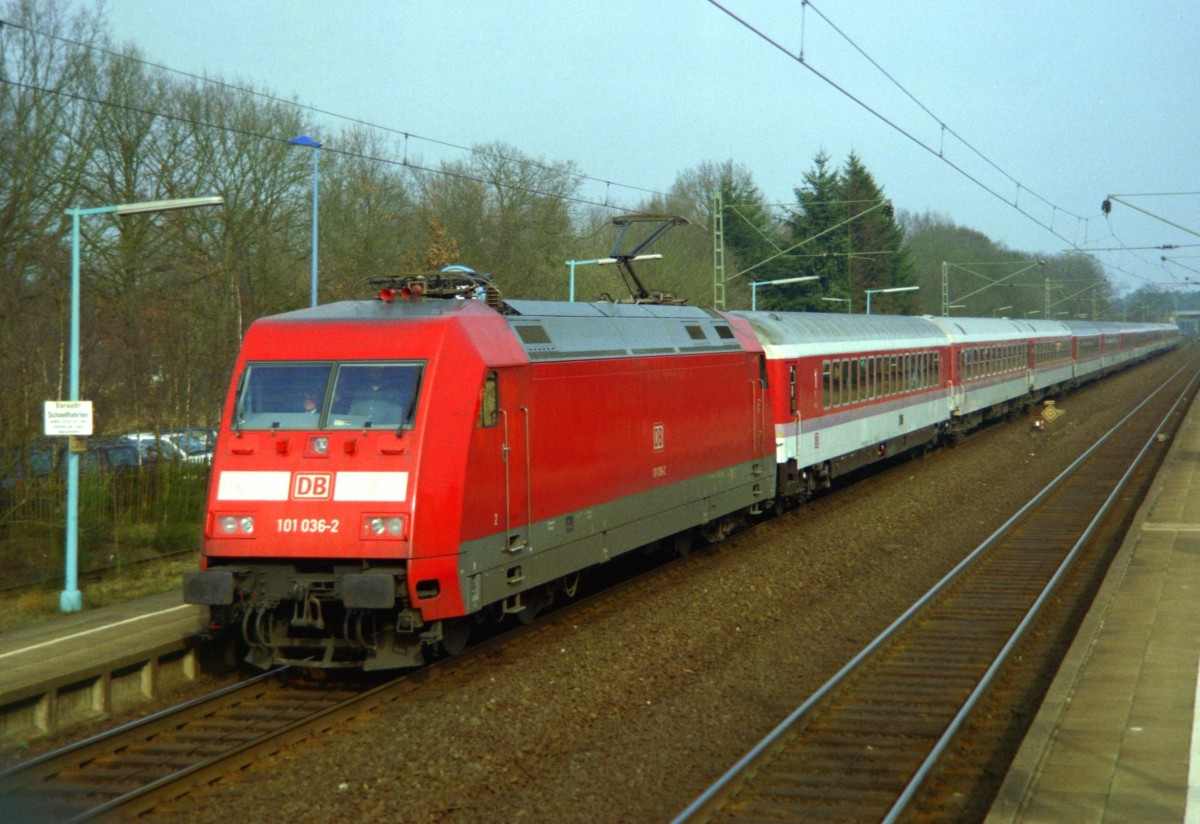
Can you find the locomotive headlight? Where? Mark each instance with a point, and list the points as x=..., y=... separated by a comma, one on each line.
x=320, y=445
x=383, y=526
x=236, y=524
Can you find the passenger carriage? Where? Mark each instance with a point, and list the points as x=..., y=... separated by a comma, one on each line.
x=849, y=389
x=1089, y=349
x=990, y=371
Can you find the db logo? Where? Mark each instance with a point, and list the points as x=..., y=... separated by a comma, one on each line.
x=312, y=485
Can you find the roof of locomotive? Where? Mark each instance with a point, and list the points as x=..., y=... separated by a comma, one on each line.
x=554, y=330
x=796, y=334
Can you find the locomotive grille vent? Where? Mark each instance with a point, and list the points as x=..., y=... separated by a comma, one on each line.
x=533, y=335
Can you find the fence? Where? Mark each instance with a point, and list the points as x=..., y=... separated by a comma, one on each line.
x=123, y=516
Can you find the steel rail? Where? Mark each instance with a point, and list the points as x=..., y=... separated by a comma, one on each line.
x=709, y=800
x=1051, y=587
x=26, y=766
x=179, y=782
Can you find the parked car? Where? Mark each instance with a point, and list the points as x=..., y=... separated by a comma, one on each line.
x=179, y=445
x=45, y=456
x=206, y=435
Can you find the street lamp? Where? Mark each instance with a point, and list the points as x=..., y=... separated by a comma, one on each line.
x=71, y=599
x=754, y=287
x=886, y=291
x=603, y=262
x=305, y=140
x=996, y=312
x=849, y=303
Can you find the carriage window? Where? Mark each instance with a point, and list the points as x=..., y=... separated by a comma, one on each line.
x=826, y=385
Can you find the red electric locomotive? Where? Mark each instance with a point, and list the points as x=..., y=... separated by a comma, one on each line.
x=391, y=471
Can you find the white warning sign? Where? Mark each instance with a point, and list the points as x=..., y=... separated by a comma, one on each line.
x=68, y=417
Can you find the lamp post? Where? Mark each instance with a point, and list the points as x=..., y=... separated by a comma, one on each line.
x=608, y=261
x=71, y=599
x=887, y=291
x=754, y=287
x=849, y=303
x=305, y=140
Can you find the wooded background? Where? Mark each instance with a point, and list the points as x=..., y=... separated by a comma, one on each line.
x=167, y=297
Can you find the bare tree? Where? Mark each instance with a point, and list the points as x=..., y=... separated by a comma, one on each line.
x=368, y=222
x=46, y=143
x=510, y=214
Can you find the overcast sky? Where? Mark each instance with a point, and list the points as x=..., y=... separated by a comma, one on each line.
x=1060, y=103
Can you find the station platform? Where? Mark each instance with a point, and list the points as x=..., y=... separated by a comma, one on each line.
x=86, y=666
x=1116, y=738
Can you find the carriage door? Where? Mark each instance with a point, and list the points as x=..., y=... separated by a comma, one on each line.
x=794, y=406
x=960, y=365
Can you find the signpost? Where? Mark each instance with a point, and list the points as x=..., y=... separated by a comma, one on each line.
x=73, y=419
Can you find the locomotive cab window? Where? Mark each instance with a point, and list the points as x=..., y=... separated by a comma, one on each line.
x=489, y=408
x=298, y=396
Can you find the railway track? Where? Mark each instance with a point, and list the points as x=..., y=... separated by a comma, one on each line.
x=898, y=733
x=151, y=762
x=137, y=766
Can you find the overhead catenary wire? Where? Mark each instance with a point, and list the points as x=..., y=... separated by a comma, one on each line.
x=608, y=184
x=329, y=149
x=316, y=110
x=805, y=60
